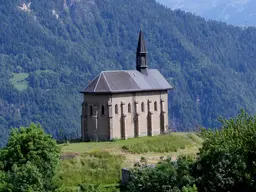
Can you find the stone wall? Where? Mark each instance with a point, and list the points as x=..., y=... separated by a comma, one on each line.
x=124, y=115
x=140, y=112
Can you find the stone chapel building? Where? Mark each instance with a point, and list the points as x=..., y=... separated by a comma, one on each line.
x=126, y=103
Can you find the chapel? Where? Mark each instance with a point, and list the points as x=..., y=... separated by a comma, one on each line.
x=126, y=103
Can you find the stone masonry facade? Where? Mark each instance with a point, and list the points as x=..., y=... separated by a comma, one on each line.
x=126, y=115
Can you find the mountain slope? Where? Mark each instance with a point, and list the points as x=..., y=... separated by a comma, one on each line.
x=236, y=12
x=51, y=49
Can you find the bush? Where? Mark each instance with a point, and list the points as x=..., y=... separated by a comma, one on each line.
x=226, y=161
x=25, y=178
x=2, y=181
x=166, y=176
x=189, y=189
x=30, y=159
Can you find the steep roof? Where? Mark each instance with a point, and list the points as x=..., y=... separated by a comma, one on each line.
x=127, y=81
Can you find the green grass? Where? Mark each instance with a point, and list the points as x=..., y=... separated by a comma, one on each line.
x=38, y=72
x=195, y=138
x=97, y=167
x=91, y=188
x=101, y=162
x=19, y=81
x=160, y=144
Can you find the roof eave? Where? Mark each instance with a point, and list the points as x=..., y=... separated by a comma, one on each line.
x=126, y=91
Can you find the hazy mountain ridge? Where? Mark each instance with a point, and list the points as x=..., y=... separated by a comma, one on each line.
x=236, y=12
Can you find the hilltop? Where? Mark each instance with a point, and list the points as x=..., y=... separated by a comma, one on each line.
x=90, y=162
x=50, y=50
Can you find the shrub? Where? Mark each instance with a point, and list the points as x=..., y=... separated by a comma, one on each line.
x=32, y=156
x=25, y=178
x=2, y=181
x=189, y=189
x=166, y=176
x=226, y=161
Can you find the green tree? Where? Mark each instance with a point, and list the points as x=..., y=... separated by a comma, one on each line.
x=31, y=156
x=25, y=178
x=168, y=175
x=2, y=181
x=226, y=161
x=189, y=189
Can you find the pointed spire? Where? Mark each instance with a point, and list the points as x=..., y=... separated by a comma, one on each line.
x=141, y=44
x=141, y=55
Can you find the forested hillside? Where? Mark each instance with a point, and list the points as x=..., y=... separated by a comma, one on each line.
x=49, y=50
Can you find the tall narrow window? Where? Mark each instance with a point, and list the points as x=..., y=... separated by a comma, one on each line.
x=84, y=108
x=155, y=106
x=91, y=111
x=142, y=107
x=129, y=108
x=102, y=110
x=116, y=109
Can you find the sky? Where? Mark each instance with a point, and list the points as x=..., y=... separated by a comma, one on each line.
x=236, y=12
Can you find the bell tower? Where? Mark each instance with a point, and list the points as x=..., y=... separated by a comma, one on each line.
x=141, y=55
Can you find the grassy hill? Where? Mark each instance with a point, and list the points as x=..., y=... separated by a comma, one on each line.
x=101, y=163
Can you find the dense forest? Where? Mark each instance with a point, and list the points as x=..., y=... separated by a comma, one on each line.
x=50, y=50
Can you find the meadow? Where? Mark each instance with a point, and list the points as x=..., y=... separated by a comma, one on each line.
x=101, y=162
x=19, y=81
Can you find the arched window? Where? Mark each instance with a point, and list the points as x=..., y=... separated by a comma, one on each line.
x=91, y=110
x=129, y=108
x=155, y=106
x=142, y=107
x=102, y=110
x=116, y=109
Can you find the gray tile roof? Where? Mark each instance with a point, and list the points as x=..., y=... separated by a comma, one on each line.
x=127, y=81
